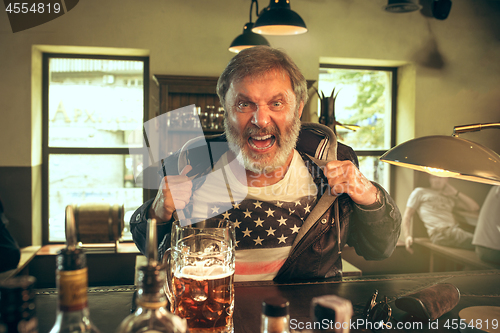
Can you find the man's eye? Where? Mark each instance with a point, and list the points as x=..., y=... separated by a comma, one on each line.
x=245, y=106
x=277, y=106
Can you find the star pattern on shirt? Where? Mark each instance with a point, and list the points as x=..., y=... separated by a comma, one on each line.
x=270, y=231
x=258, y=222
x=282, y=239
x=267, y=224
x=270, y=212
x=247, y=213
x=295, y=229
x=247, y=232
x=282, y=221
x=258, y=241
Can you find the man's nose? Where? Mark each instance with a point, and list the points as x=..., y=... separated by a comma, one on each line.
x=261, y=117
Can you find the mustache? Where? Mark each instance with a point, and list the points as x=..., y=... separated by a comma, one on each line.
x=255, y=131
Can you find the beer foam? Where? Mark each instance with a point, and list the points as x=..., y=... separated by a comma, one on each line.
x=201, y=272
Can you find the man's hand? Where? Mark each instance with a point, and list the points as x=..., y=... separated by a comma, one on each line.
x=345, y=177
x=174, y=193
x=409, y=243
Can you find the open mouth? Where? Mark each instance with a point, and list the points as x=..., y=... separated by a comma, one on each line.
x=262, y=142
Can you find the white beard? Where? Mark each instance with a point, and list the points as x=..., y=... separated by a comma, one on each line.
x=257, y=163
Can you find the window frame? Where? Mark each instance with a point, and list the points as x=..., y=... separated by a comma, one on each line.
x=47, y=151
x=394, y=99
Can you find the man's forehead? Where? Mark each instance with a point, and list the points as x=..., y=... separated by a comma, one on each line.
x=258, y=78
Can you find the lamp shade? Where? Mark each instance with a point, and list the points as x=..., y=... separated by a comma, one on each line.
x=447, y=156
x=247, y=39
x=279, y=19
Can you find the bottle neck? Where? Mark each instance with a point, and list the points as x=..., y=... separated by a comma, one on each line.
x=151, y=300
x=275, y=324
x=72, y=288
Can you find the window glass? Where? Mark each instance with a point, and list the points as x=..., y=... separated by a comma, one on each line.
x=363, y=111
x=93, y=109
x=77, y=179
x=94, y=102
x=364, y=100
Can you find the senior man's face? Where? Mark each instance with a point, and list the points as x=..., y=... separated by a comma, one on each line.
x=262, y=121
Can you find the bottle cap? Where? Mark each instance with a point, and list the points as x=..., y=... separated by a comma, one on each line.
x=275, y=306
x=71, y=259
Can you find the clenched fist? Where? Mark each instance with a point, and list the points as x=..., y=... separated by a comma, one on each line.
x=174, y=193
x=345, y=177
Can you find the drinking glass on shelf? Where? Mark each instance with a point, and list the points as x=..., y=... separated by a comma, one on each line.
x=221, y=118
x=200, y=274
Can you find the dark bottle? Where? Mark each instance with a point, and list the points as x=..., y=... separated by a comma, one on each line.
x=275, y=316
x=73, y=314
x=17, y=305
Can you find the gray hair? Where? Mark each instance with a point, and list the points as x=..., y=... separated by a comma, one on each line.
x=257, y=61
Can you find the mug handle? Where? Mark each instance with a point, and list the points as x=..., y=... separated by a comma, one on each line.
x=167, y=265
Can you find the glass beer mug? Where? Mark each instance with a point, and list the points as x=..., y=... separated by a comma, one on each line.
x=200, y=274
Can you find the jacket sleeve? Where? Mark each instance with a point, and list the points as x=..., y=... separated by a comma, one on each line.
x=139, y=227
x=139, y=220
x=375, y=232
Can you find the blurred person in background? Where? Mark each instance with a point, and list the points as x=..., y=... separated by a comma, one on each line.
x=434, y=205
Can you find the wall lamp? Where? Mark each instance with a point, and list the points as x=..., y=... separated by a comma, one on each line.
x=248, y=38
x=279, y=19
x=449, y=156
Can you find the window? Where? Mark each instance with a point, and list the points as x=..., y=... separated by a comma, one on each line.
x=91, y=105
x=365, y=105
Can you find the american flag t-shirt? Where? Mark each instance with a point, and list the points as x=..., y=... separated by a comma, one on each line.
x=267, y=219
x=265, y=232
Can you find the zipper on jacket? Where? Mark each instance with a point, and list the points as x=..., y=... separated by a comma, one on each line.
x=290, y=260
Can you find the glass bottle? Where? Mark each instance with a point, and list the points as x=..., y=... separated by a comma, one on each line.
x=73, y=314
x=17, y=305
x=150, y=313
x=275, y=316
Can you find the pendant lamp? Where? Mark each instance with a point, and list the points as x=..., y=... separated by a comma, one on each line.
x=248, y=38
x=402, y=6
x=279, y=19
x=449, y=156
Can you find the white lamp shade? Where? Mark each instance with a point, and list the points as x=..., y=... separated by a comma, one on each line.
x=447, y=156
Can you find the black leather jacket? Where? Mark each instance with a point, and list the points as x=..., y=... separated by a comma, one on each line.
x=335, y=221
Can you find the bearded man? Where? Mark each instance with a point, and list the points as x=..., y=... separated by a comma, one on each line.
x=294, y=194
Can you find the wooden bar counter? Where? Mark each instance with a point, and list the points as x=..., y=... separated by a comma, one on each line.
x=110, y=305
